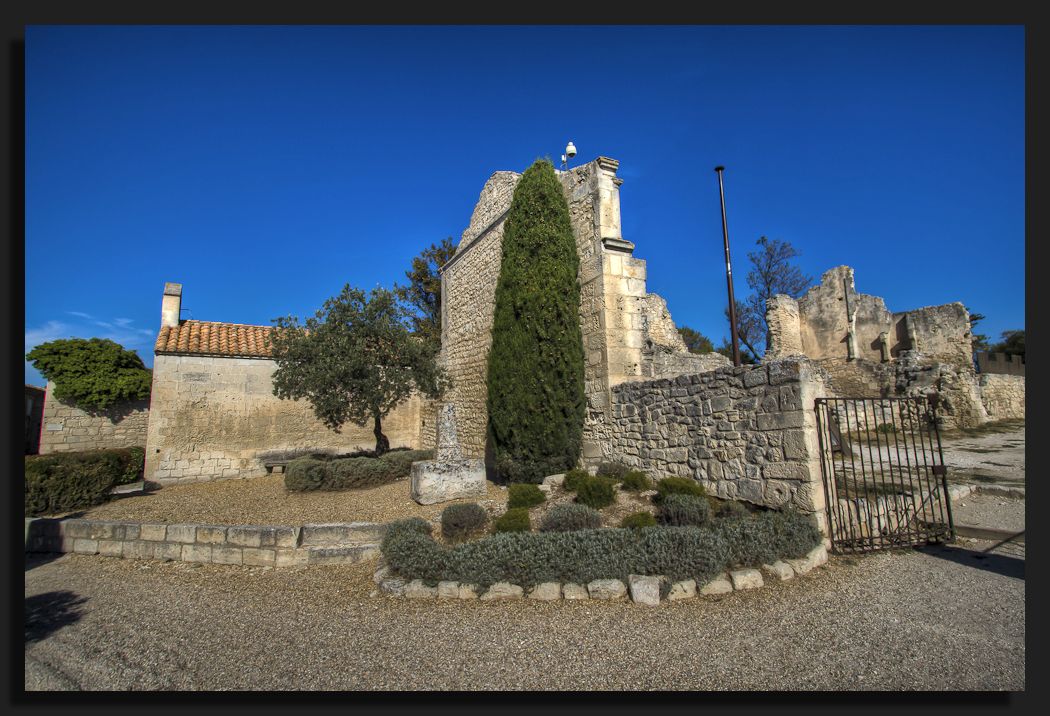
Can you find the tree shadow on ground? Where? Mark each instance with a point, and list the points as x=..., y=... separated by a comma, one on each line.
x=987, y=560
x=47, y=613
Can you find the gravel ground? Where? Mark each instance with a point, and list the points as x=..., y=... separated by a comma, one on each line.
x=264, y=501
x=943, y=618
x=990, y=511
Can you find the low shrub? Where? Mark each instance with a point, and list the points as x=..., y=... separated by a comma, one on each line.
x=527, y=471
x=685, y=511
x=794, y=534
x=570, y=517
x=732, y=510
x=461, y=521
x=524, y=495
x=75, y=480
x=677, y=486
x=751, y=541
x=581, y=556
x=613, y=470
x=573, y=477
x=515, y=520
x=596, y=492
x=636, y=481
x=638, y=520
x=350, y=473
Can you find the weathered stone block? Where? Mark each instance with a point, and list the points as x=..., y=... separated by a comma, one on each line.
x=417, y=590
x=290, y=557
x=434, y=482
x=607, y=589
x=780, y=570
x=755, y=376
x=546, y=592
x=468, y=591
x=85, y=546
x=682, y=590
x=186, y=534
x=781, y=421
x=110, y=548
x=258, y=557
x=393, y=586
x=746, y=578
x=211, y=534
x=167, y=551
x=644, y=589
x=718, y=585
x=448, y=590
x=503, y=590
x=245, y=536
x=140, y=550
x=152, y=532
x=222, y=554
x=572, y=591
x=196, y=553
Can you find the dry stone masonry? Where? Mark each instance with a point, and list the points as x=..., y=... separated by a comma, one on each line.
x=67, y=428
x=450, y=476
x=746, y=433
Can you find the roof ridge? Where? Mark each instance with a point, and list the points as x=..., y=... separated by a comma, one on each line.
x=225, y=323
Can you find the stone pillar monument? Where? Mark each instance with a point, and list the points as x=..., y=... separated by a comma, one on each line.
x=449, y=476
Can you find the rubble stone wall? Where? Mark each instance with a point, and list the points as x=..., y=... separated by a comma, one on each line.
x=1003, y=396
x=67, y=428
x=746, y=433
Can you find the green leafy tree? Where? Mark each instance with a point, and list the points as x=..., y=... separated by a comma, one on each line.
x=535, y=369
x=354, y=361
x=695, y=341
x=1012, y=343
x=422, y=294
x=93, y=373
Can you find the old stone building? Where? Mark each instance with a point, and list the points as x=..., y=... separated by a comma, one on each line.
x=628, y=334
x=213, y=413
x=869, y=351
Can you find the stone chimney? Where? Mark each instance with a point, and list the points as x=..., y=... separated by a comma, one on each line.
x=172, y=305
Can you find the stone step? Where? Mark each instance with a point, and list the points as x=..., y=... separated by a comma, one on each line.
x=341, y=554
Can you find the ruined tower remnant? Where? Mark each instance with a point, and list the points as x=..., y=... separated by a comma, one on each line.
x=450, y=476
x=628, y=334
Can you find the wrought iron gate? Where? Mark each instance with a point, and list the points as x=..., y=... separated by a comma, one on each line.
x=884, y=478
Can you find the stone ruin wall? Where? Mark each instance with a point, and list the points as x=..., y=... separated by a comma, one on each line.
x=627, y=333
x=746, y=433
x=1003, y=396
x=217, y=417
x=67, y=428
x=930, y=348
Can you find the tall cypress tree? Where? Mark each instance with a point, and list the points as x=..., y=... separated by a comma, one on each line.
x=535, y=374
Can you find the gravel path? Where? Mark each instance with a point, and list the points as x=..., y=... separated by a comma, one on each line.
x=264, y=501
x=988, y=454
x=946, y=618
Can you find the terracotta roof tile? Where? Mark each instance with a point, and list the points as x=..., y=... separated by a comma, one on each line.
x=215, y=339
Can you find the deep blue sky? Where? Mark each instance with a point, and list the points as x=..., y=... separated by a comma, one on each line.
x=264, y=167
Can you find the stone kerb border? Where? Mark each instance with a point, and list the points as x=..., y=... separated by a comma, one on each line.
x=248, y=545
x=641, y=589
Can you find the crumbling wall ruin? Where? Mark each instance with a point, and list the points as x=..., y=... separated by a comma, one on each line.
x=627, y=333
x=867, y=351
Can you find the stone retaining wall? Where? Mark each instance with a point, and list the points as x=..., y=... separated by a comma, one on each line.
x=746, y=433
x=250, y=545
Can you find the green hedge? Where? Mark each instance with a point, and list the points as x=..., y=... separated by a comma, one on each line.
x=514, y=520
x=677, y=486
x=70, y=481
x=596, y=492
x=461, y=521
x=569, y=517
x=636, y=481
x=637, y=520
x=350, y=473
x=685, y=511
x=581, y=556
x=524, y=495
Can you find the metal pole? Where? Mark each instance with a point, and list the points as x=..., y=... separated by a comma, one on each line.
x=729, y=271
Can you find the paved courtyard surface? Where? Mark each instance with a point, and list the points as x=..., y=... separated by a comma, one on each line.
x=992, y=455
x=940, y=618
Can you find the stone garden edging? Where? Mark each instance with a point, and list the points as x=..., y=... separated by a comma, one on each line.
x=640, y=589
x=248, y=545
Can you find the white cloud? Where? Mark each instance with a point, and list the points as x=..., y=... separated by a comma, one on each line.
x=79, y=314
